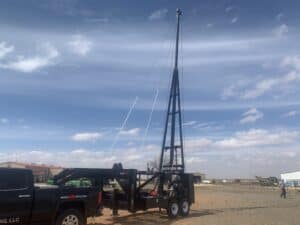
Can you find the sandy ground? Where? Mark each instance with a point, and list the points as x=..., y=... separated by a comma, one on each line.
x=223, y=205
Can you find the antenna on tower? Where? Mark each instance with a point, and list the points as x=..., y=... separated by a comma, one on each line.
x=172, y=158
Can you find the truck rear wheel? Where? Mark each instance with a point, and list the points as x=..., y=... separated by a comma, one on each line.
x=184, y=207
x=173, y=209
x=70, y=217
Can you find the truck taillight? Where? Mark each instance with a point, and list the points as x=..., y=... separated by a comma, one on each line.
x=71, y=197
x=99, y=198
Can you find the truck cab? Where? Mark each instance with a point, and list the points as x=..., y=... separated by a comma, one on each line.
x=16, y=196
x=70, y=202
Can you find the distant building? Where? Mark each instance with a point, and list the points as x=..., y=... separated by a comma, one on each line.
x=241, y=181
x=292, y=178
x=41, y=173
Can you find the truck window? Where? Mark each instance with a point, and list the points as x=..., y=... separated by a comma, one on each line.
x=80, y=183
x=13, y=180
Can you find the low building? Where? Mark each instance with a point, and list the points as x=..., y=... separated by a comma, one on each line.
x=291, y=179
x=198, y=178
x=41, y=172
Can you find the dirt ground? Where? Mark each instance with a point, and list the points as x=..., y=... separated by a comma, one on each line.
x=223, y=205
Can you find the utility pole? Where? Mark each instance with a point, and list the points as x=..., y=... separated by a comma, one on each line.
x=174, y=145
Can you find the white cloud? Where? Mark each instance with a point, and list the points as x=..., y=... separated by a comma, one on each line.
x=260, y=88
x=191, y=45
x=281, y=30
x=253, y=90
x=27, y=65
x=97, y=20
x=208, y=126
x=87, y=136
x=80, y=152
x=130, y=132
x=32, y=64
x=209, y=25
x=258, y=137
x=80, y=45
x=251, y=116
x=229, y=92
x=292, y=62
x=85, y=157
x=158, y=14
x=253, y=138
x=50, y=50
x=198, y=144
x=234, y=20
x=267, y=85
x=229, y=8
x=290, y=114
x=289, y=154
x=253, y=146
x=190, y=123
x=243, y=150
x=5, y=49
x=195, y=160
x=4, y=120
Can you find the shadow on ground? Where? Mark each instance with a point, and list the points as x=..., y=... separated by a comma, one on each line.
x=156, y=218
x=153, y=217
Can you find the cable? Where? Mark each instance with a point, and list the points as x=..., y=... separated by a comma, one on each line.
x=124, y=123
x=150, y=118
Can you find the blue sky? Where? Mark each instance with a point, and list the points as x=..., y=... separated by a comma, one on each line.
x=71, y=70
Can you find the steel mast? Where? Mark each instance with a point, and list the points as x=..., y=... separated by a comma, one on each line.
x=173, y=145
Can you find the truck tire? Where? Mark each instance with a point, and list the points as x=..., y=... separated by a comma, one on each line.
x=173, y=209
x=184, y=207
x=70, y=217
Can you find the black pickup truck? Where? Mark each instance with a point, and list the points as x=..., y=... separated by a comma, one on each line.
x=24, y=203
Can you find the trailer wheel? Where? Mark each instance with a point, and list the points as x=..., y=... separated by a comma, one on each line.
x=184, y=207
x=70, y=217
x=173, y=209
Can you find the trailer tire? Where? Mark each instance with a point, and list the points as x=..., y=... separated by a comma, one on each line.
x=70, y=216
x=173, y=209
x=184, y=207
